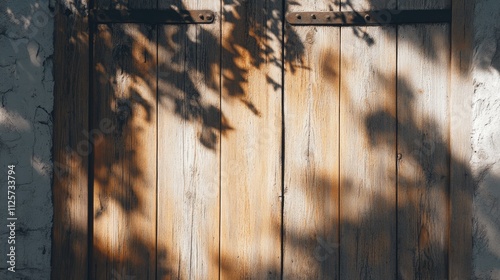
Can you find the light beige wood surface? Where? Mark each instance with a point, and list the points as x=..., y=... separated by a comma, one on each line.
x=251, y=148
x=368, y=150
x=423, y=140
x=188, y=147
x=423, y=169
x=193, y=182
x=311, y=178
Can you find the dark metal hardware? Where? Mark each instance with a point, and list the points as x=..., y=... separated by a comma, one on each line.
x=170, y=16
x=369, y=18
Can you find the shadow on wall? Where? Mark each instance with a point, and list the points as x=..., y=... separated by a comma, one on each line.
x=485, y=139
x=26, y=85
x=129, y=91
x=486, y=224
x=486, y=36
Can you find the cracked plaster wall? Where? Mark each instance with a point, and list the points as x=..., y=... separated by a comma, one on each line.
x=485, y=160
x=26, y=99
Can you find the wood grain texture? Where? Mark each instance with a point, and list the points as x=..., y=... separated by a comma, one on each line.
x=461, y=187
x=311, y=179
x=368, y=153
x=251, y=150
x=125, y=158
x=219, y=156
x=423, y=140
x=423, y=169
x=188, y=147
x=70, y=187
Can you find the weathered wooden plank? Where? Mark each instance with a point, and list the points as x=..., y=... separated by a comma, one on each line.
x=189, y=121
x=70, y=189
x=423, y=125
x=423, y=168
x=311, y=179
x=251, y=149
x=368, y=153
x=125, y=158
x=461, y=188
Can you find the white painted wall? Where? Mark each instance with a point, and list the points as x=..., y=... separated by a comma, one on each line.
x=26, y=85
x=486, y=139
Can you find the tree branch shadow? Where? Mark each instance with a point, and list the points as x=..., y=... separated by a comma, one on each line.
x=189, y=88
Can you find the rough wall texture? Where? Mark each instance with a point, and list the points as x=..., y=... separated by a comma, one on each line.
x=26, y=85
x=486, y=140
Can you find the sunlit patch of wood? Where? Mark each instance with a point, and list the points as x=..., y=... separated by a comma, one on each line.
x=311, y=211
x=250, y=174
x=188, y=150
x=125, y=161
x=69, y=172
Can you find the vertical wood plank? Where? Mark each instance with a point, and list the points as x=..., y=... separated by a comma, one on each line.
x=423, y=127
x=368, y=152
x=189, y=122
x=251, y=150
x=311, y=179
x=423, y=170
x=125, y=157
x=461, y=187
x=70, y=189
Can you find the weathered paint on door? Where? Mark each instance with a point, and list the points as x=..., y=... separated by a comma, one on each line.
x=252, y=149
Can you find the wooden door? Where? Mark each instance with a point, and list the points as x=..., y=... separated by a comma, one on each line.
x=181, y=181
x=251, y=148
x=155, y=183
x=367, y=160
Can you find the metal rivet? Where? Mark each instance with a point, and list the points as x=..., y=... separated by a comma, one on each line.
x=313, y=16
x=299, y=16
x=367, y=17
x=209, y=17
x=400, y=156
x=202, y=17
x=328, y=17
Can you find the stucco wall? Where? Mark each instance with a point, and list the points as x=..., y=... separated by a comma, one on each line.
x=486, y=139
x=26, y=85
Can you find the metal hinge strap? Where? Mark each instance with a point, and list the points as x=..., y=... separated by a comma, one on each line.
x=150, y=16
x=369, y=18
